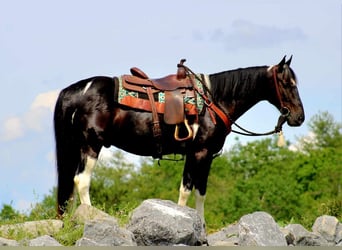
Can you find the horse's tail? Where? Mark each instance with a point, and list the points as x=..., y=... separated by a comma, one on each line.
x=68, y=148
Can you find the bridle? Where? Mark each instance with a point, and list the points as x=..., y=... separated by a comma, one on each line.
x=225, y=117
x=284, y=114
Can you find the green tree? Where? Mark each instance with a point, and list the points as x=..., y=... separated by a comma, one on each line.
x=46, y=209
x=8, y=213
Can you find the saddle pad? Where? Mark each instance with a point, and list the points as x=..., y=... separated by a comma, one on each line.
x=192, y=104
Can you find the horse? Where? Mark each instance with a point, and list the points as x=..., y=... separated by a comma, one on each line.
x=88, y=117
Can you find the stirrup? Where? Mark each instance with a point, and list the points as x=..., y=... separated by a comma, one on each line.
x=189, y=131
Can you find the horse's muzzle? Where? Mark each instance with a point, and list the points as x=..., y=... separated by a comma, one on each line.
x=294, y=120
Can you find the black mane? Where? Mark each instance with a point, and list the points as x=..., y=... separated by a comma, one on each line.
x=227, y=84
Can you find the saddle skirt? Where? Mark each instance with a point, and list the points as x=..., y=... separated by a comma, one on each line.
x=132, y=93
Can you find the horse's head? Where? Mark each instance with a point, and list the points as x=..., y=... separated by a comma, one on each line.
x=286, y=97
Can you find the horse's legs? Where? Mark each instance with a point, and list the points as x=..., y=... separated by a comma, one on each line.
x=200, y=204
x=184, y=194
x=82, y=180
x=196, y=172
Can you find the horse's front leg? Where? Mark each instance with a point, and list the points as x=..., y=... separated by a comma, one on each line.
x=196, y=172
x=82, y=180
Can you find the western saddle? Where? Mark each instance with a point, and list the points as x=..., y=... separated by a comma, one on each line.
x=175, y=87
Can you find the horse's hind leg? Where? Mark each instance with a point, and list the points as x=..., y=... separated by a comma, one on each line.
x=184, y=193
x=196, y=172
x=82, y=180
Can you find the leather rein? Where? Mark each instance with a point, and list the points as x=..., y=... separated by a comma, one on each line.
x=225, y=117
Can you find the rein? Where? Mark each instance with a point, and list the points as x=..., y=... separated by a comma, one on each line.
x=225, y=117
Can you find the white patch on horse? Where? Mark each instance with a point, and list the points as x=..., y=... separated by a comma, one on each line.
x=207, y=81
x=87, y=87
x=183, y=195
x=168, y=210
x=270, y=68
x=195, y=128
x=73, y=116
x=200, y=204
x=82, y=181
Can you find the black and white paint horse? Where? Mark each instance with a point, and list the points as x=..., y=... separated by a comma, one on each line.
x=87, y=117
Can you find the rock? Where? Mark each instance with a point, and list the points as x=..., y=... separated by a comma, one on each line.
x=302, y=237
x=7, y=242
x=33, y=228
x=326, y=226
x=105, y=232
x=260, y=229
x=289, y=237
x=163, y=223
x=44, y=240
x=338, y=237
x=85, y=212
x=228, y=236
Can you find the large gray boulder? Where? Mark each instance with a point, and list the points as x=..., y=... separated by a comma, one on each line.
x=105, y=232
x=302, y=237
x=260, y=229
x=326, y=226
x=163, y=223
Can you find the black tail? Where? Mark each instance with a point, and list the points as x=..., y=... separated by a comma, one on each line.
x=68, y=148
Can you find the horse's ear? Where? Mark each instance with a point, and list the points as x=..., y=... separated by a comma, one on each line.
x=281, y=64
x=288, y=62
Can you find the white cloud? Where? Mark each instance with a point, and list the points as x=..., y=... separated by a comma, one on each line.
x=246, y=34
x=12, y=129
x=45, y=100
x=36, y=118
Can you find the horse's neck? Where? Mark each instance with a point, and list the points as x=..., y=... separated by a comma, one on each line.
x=239, y=90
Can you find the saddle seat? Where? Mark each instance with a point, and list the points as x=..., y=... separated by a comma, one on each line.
x=167, y=83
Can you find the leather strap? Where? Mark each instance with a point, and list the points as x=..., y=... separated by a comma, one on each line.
x=155, y=122
x=214, y=108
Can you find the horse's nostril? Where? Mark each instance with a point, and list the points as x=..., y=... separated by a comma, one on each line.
x=301, y=118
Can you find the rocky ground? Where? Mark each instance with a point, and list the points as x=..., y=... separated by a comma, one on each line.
x=163, y=223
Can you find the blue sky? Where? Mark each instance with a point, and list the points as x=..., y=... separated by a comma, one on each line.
x=47, y=45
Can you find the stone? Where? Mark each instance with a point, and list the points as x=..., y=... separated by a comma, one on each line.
x=33, y=228
x=44, y=240
x=105, y=232
x=260, y=229
x=85, y=212
x=163, y=223
x=338, y=237
x=302, y=237
x=7, y=242
x=326, y=226
x=228, y=236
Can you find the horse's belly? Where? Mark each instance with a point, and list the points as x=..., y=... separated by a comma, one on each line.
x=132, y=132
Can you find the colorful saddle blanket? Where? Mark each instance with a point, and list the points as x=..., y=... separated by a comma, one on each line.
x=193, y=102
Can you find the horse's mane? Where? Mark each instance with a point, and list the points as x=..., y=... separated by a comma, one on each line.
x=228, y=84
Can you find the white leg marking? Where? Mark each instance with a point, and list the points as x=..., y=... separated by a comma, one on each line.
x=82, y=181
x=87, y=87
x=183, y=195
x=200, y=204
